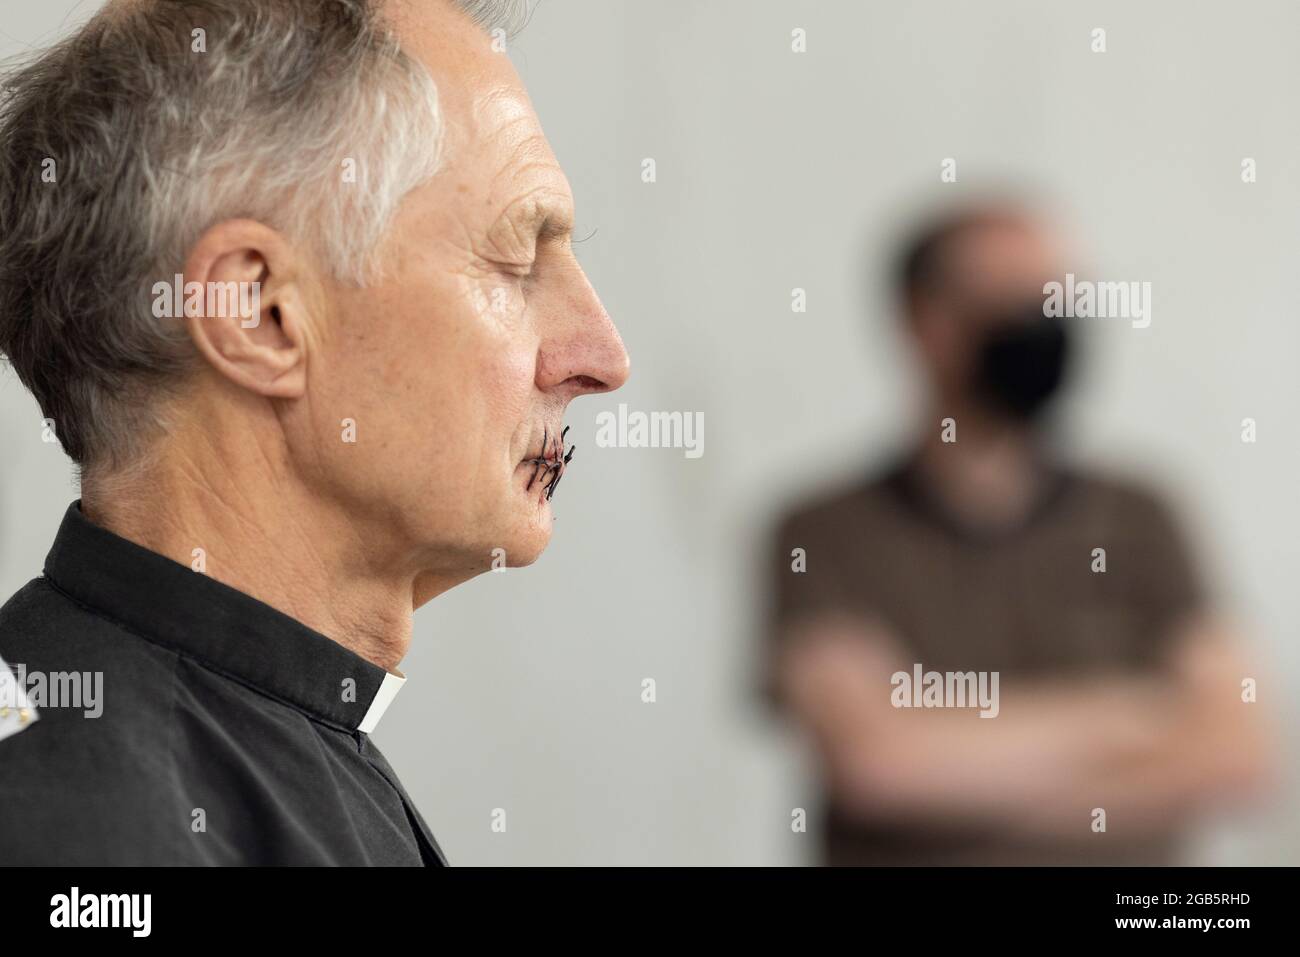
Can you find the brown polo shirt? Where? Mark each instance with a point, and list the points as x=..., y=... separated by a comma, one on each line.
x=1024, y=602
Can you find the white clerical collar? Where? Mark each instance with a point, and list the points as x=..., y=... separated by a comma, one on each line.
x=16, y=712
x=388, y=689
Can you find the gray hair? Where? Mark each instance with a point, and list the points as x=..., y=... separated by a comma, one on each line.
x=122, y=144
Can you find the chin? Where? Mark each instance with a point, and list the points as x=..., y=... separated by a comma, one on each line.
x=532, y=536
x=530, y=521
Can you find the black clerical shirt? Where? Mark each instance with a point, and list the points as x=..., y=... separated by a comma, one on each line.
x=226, y=732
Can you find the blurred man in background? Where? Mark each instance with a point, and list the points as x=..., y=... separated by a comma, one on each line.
x=1120, y=707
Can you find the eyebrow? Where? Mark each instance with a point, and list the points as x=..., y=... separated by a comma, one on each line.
x=545, y=220
x=555, y=225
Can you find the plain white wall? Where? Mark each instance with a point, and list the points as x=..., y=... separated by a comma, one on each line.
x=778, y=170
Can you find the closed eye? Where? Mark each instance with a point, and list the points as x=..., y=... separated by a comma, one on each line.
x=516, y=271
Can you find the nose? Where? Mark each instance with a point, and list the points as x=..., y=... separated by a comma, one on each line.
x=584, y=354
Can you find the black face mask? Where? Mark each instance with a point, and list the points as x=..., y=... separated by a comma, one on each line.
x=1022, y=364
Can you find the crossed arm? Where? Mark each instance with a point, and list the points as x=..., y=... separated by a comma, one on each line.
x=1148, y=749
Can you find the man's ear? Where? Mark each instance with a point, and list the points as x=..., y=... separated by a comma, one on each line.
x=245, y=309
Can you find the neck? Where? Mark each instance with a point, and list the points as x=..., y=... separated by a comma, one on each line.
x=991, y=476
x=273, y=541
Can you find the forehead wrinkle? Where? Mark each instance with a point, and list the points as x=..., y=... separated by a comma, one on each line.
x=536, y=199
x=525, y=154
x=501, y=105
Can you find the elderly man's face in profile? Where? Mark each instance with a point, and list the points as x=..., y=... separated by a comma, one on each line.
x=463, y=355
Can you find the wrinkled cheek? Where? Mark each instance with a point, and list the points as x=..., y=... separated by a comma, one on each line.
x=498, y=305
x=510, y=372
x=488, y=374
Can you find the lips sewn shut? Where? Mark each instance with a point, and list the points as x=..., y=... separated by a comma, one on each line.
x=550, y=465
